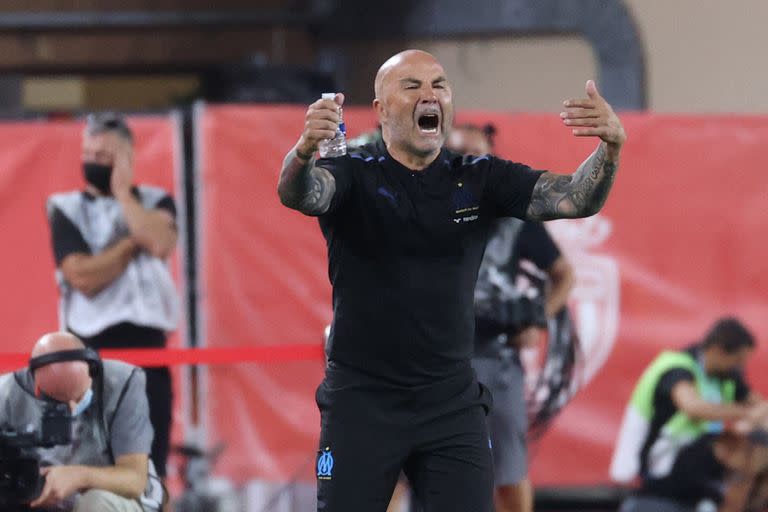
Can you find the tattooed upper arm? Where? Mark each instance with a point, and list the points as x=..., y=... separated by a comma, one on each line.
x=582, y=194
x=548, y=200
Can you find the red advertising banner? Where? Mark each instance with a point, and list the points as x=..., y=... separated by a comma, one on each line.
x=678, y=244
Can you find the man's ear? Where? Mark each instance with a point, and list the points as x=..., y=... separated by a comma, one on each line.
x=378, y=107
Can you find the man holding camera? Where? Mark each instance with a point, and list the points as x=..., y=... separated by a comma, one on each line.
x=105, y=465
x=511, y=315
x=509, y=318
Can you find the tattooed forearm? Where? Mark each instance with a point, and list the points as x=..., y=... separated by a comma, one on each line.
x=580, y=195
x=321, y=186
x=304, y=187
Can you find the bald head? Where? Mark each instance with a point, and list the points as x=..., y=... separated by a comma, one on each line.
x=414, y=105
x=404, y=58
x=56, y=342
x=67, y=381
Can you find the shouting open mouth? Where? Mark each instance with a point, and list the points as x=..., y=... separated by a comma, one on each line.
x=429, y=123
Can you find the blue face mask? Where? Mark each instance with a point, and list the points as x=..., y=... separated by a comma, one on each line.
x=83, y=404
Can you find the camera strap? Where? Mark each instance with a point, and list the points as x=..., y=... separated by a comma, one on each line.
x=87, y=355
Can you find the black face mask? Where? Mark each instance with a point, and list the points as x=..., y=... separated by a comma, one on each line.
x=98, y=175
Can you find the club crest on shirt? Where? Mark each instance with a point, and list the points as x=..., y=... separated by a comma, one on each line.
x=325, y=464
x=465, y=206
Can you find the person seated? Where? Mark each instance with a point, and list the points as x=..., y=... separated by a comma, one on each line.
x=688, y=424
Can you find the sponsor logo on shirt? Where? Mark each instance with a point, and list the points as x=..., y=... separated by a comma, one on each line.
x=465, y=205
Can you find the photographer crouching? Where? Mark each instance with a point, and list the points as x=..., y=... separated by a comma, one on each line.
x=82, y=425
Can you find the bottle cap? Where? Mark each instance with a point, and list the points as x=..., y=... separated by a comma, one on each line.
x=329, y=95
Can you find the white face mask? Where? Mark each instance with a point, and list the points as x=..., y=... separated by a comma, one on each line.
x=83, y=404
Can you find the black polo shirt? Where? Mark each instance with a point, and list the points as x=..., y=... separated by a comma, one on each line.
x=404, y=248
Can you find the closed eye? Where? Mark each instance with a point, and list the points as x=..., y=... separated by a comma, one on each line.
x=410, y=83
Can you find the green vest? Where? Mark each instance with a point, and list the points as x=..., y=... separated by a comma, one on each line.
x=680, y=425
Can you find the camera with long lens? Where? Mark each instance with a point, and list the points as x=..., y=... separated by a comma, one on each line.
x=526, y=312
x=20, y=480
x=510, y=316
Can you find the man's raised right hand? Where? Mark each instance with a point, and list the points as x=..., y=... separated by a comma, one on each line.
x=321, y=120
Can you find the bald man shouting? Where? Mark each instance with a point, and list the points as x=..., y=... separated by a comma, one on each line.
x=406, y=233
x=106, y=468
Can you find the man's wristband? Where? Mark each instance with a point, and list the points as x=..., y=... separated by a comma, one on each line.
x=304, y=156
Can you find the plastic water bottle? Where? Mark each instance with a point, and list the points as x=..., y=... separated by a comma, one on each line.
x=336, y=146
x=706, y=506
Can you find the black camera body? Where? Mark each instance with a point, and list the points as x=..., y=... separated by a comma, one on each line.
x=511, y=316
x=526, y=312
x=20, y=480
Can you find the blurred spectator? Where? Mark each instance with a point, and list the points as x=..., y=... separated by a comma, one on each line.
x=472, y=139
x=373, y=137
x=509, y=318
x=106, y=466
x=673, y=436
x=110, y=242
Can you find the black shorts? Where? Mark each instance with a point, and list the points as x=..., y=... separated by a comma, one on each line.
x=435, y=434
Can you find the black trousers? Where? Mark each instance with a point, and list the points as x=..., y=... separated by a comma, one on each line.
x=159, y=388
x=436, y=434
